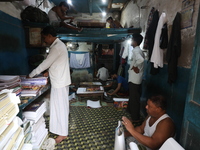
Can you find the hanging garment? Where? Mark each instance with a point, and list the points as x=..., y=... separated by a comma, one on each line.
x=78, y=61
x=150, y=37
x=126, y=51
x=152, y=31
x=164, y=37
x=150, y=18
x=157, y=54
x=174, y=49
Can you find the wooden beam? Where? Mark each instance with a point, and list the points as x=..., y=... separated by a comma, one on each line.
x=109, y=5
x=90, y=6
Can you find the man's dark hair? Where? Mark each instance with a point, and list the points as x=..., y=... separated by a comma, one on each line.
x=113, y=72
x=102, y=65
x=49, y=30
x=137, y=38
x=63, y=3
x=109, y=18
x=159, y=101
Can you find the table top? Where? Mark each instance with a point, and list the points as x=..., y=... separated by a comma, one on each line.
x=90, y=83
x=90, y=90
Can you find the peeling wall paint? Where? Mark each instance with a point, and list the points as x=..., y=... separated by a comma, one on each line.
x=130, y=16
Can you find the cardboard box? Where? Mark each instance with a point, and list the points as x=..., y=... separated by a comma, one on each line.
x=120, y=103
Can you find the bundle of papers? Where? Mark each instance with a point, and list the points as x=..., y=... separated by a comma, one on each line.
x=12, y=136
x=8, y=108
x=35, y=132
x=35, y=111
x=9, y=82
x=30, y=92
x=34, y=81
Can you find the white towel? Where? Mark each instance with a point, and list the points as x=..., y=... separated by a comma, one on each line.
x=80, y=58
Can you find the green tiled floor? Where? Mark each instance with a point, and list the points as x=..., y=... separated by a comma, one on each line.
x=91, y=129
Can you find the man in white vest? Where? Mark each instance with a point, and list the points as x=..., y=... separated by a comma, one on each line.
x=57, y=63
x=156, y=128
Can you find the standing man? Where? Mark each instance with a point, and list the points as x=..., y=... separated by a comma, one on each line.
x=135, y=78
x=58, y=64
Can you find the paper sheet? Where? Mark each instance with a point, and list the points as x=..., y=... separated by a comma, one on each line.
x=93, y=104
x=133, y=146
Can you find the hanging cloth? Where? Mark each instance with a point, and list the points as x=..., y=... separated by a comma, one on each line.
x=79, y=61
x=174, y=49
x=150, y=19
x=164, y=37
x=157, y=54
x=150, y=35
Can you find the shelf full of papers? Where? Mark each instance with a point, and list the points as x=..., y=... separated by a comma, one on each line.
x=11, y=133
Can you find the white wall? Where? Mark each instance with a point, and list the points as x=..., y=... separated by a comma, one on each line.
x=130, y=16
x=14, y=8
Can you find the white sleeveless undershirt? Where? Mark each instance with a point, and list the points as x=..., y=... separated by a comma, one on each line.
x=149, y=130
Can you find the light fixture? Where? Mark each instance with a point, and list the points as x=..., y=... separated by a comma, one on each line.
x=104, y=1
x=103, y=13
x=69, y=2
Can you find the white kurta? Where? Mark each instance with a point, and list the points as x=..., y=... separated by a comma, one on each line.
x=103, y=74
x=58, y=63
x=157, y=53
x=137, y=60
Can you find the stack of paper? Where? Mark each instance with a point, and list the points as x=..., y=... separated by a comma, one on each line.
x=35, y=110
x=12, y=134
x=34, y=81
x=35, y=132
x=32, y=86
x=35, y=127
x=30, y=91
x=9, y=109
x=10, y=82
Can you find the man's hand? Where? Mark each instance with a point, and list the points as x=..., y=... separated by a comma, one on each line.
x=135, y=69
x=46, y=74
x=28, y=76
x=109, y=93
x=128, y=124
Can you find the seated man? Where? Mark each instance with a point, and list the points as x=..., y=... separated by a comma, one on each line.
x=122, y=84
x=102, y=73
x=156, y=128
x=57, y=16
x=113, y=23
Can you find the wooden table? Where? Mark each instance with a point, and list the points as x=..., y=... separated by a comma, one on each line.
x=91, y=84
x=83, y=92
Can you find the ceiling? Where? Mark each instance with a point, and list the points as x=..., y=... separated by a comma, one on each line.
x=95, y=34
x=94, y=6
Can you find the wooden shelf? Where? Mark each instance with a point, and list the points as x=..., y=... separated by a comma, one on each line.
x=31, y=99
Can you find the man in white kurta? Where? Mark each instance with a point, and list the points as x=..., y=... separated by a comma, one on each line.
x=102, y=73
x=58, y=64
x=135, y=78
